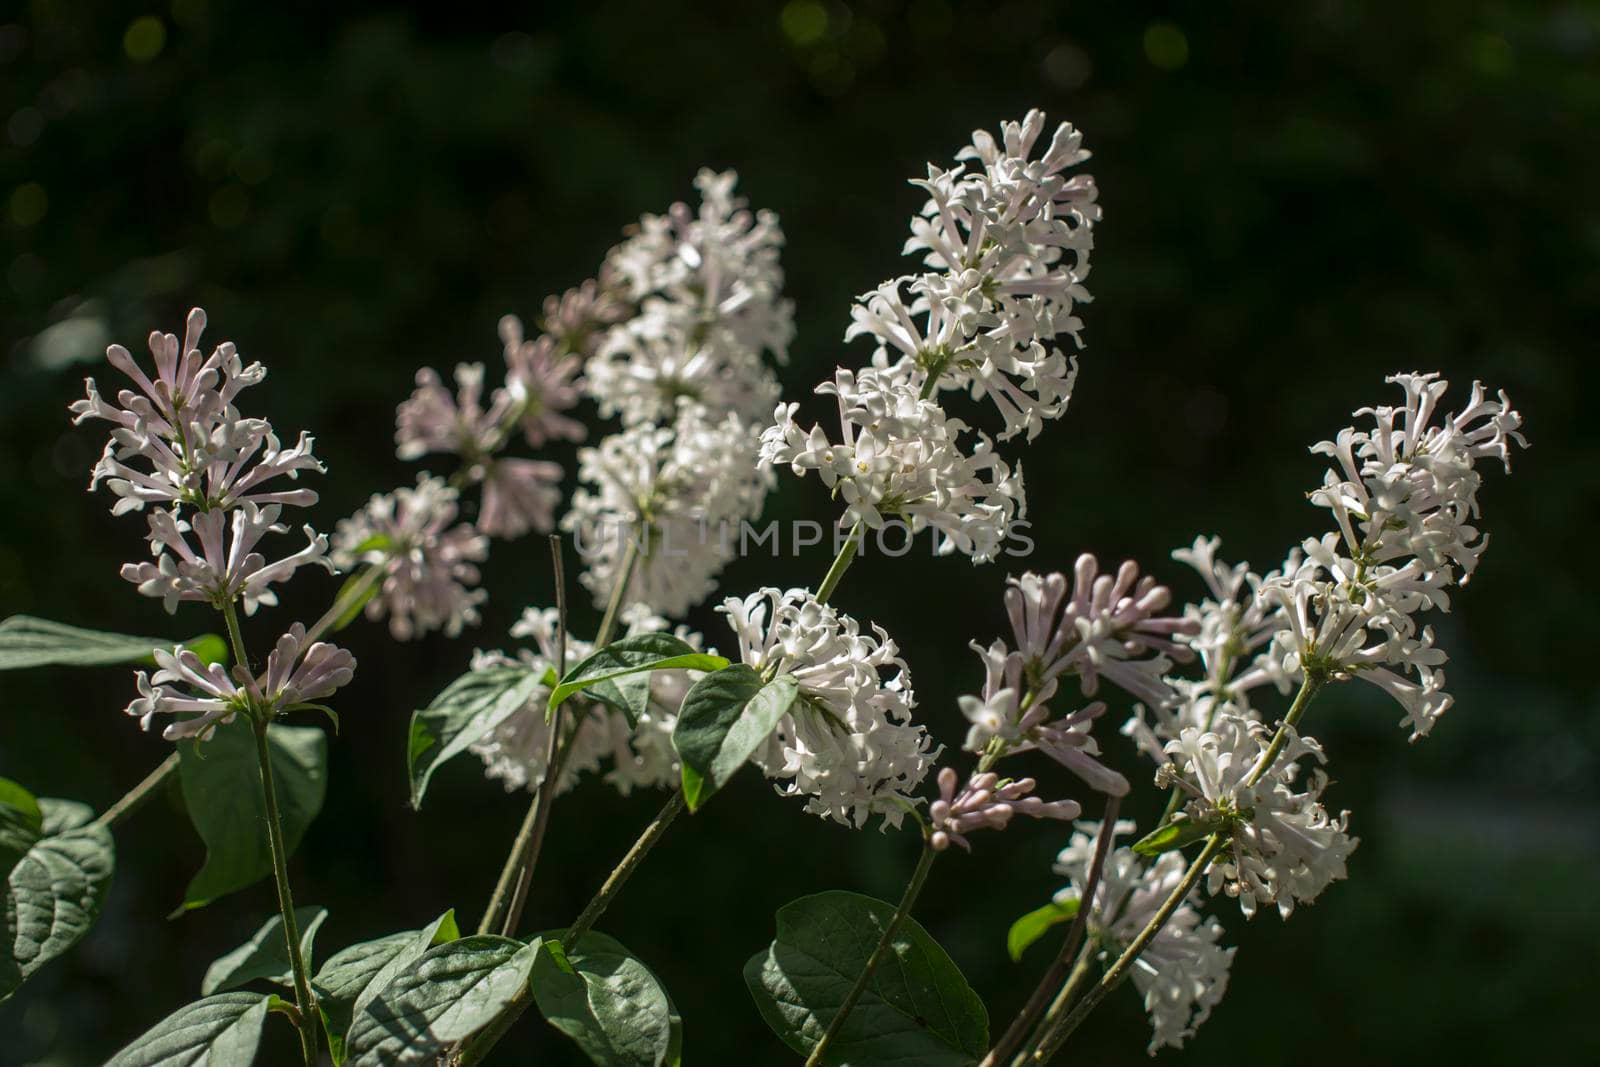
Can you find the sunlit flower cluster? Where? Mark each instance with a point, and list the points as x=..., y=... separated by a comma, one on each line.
x=670, y=496
x=1404, y=503
x=848, y=744
x=1183, y=974
x=179, y=444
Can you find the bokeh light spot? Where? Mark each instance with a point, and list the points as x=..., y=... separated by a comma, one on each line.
x=146, y=36
x=804, y=21
x=1165, y=46
x=28, y=204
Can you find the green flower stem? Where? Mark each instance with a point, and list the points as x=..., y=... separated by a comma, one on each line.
x=280, y=868
x=235, y=638
x=1081, y=971
x=1309, y=688
x=908, y=900
x=1052, y=1037
x=841, y=562
x=479, y=1045
x=630, y=562
x=624, y=870
x=342, y=603
x=1058, y=973
x=135, y=797
x=505, y=905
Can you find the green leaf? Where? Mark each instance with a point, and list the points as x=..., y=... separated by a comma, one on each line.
x=266, y=955
x=21, y=823
x=1178, y=833
x=356, y=606
x=469, y=708
x=63, y=815
x=608, y=1002
x=1034, y=925
x=29, y=642
x=629, y=695
x=350, y=979
x=219, y=1031
x=633, y=655
x=446, y=996
x=53, y=894
x=916, y=1009
x=725, y=718
x=221, y=780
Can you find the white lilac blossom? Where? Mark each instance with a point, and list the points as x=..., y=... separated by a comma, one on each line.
x=1183, y=973
x=848, y=744
x=429, y=565
x=707, y=288
x=711, y=271
x=1007, y=245
x=1404, y=503
x=644, y=366
x=641, y=756
x=899, y=455
x=676, y=495
x=297, y=672
x=986, y=802
x=1282, y=847
x=227, y=566
x=1233, y=630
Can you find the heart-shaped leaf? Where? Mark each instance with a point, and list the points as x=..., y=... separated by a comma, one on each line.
x=447, y=995
x=219, y=1031
x=608, y=1002
x=53, y=895
x=633, y=655
x=265, y=957
x=352, y=977
x=916, y=1009
x=469, y=708
x=221, y=781
x=725, y=717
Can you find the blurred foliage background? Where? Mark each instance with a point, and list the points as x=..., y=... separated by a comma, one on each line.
x=1298, y=200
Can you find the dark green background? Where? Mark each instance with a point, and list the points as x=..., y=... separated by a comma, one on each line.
x=1298, y=199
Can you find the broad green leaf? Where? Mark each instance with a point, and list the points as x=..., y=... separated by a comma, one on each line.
x=63, y=815
x=266, y=955
x=725, y=718
x=353, y=976
x=469, y=708
x=448, y=995
x=1178, y=833
x=21, y=823
x=916, y=1009
x=29, y=642
x=609, y=1003
x=219, y=1031
x=221, y=780
x=629, y=695
x=633, y=655
x=1034, y=925
x=53, y=894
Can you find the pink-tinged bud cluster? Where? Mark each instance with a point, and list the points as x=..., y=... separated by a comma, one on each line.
x=986, y=802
